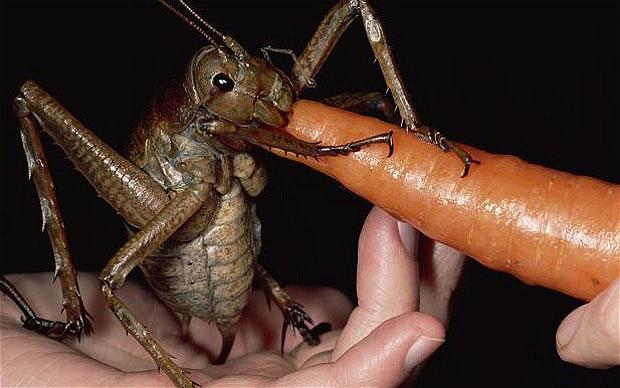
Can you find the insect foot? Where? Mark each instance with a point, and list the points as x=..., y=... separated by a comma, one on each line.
x=78, y=323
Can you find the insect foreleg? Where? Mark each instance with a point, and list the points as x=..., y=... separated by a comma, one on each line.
x=267, y=138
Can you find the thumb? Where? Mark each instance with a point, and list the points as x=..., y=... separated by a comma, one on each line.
x=391, y=351
x=590, y=335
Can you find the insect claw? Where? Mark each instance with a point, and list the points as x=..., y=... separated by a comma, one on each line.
x=465, y=170
x=321, y=329
x=391, y=143
x=466, y=164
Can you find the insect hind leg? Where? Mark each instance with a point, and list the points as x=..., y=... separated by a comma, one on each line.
x=77, y=317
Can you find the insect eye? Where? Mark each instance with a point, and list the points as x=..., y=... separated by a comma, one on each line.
x=223, y=82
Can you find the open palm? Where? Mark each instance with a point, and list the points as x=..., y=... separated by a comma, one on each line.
x=377, y=343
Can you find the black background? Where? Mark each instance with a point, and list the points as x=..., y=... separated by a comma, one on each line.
x=532, y=81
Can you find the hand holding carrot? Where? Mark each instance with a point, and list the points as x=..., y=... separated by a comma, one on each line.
x=543, y=226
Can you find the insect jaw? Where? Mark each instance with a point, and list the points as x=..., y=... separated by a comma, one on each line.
x=268, y=114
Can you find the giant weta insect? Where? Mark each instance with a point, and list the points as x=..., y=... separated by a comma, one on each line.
x=185, y=185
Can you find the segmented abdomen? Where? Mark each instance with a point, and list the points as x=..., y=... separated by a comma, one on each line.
x=211, y=276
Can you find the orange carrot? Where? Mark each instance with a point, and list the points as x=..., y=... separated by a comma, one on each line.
x=543, y=226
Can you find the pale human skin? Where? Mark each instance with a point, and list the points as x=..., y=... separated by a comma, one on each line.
x=590, y=335
x=378, y=344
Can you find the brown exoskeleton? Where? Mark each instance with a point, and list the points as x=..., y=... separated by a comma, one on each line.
x=186, y=183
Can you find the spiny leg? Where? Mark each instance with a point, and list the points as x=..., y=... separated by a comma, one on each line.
x=52, y=329
x=293, y=312
x=435, y=137
x=355, y=146
x=38, y=171
x=322, y=43
x=132, y=193
x=268, y=138
x=129, y=190
x=137, y=199
x=149, y=238
x=145, y=338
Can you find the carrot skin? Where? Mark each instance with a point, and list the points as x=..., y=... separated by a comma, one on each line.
x=545, y=227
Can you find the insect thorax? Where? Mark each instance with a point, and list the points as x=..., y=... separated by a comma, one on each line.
x=179, y=160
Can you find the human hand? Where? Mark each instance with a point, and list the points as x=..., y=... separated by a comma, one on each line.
x=590, y=335
x=381, y=343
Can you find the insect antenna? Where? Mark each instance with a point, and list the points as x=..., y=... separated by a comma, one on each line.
x=195, y=26
x=201, y=20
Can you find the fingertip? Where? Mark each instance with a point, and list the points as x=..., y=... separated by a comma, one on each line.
x=386, y=275
x=428, y=325
x=590, y=335
x=376, y=221
x=568, y=328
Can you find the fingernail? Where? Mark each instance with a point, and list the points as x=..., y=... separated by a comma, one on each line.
x=421, y=349
x=408, y=237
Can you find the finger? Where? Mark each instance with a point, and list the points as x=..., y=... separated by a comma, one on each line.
x=387, y=278
x=590, y=335
x=384, y=358
x=439, y=276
